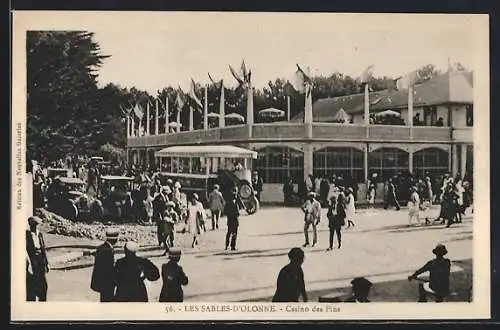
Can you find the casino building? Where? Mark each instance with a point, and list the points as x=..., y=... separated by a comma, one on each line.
x=438, y=140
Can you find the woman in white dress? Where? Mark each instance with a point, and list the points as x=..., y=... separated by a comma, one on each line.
x=413, y=207
x=350, y=207
x=195, y=217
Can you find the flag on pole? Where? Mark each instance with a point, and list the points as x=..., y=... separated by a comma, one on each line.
x=301, y=78
x=180, y=100
x=236, y=75
x=216, y=84
x=407, y=80
x=367, y=74
x=192, y=95
x=125, y=111
x=138, y=111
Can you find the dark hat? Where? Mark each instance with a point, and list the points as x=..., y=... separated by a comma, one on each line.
x=112, y=234
x=174, y=253
x=440, y=250
x=34, y=220
x=361, y=282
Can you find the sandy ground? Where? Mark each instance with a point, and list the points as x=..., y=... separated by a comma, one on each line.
x=381, y=247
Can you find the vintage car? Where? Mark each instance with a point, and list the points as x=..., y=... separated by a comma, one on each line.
x=67, y=198
x=199, y=168
x=114, y=199
x=53, y=172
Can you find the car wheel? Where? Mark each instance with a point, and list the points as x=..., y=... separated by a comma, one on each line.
x=252, y=205
x=96, y=212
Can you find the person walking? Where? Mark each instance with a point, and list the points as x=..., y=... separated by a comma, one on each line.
x=103, y=280
x=195, y=216
x=290, y=285
x=371, y=195
x=173, y=278
x=350, y=209
x=169, y=219
x=312, y=216
x=130, y=273
x=36, y=281
x=288, y=192
x=392, y=197
x=336, y=219
x=257, y=184
x=216, y=203
x=159, y=206
x=413, y=207
x=232, y=213
x=439, y=276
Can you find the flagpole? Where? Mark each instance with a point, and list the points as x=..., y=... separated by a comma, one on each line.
x=308, y=115
x=132, y=133
x=157, y=129
x=166, y=115
x=367, y=105
x=128, y=127
x=222, y=110
x=140, y=123
x=205, y=109
x=410, y=108
x=250, y=107
x=288, y=107
x=147, y=118
x=178, y=120
x=191, y=124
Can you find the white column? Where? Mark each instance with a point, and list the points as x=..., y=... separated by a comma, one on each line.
x=410, y=161
x=410, y=109
x=222, y=107
x=147, y=119
x=308, y=115
x=191, y=124
x=288, y=108
x=366, y=162
x=132, y=133
x=205, y=109
x=128, y=127
x=178, y=120
x=250, y=109
x=454, y=161
x=166, y=115
x=367, y=105
x=463, y=159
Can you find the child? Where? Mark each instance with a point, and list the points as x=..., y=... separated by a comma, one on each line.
x=173, y=277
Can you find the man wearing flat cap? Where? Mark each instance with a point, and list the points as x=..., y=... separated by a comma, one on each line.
x=103, y=274
x=312, y=216
x=173, y=277
x=36, y=281
x=130, y=273
x=439, y=276
x=360, y=290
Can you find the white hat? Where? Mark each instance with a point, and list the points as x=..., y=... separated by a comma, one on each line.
x=131, y=246
x=177, y=185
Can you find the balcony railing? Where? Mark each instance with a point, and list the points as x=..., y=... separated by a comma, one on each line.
x=299, y=132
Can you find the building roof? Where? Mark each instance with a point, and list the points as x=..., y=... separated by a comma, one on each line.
x=450, y=87
x=207, y=151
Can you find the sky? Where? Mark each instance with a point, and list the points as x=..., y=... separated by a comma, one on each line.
x=151, y=50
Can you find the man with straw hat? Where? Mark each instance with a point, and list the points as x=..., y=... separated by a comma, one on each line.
x=130, y=273
x=103, y=277
x=173, y=277
x=439, y=276
x=312, y=216
x=38, y=265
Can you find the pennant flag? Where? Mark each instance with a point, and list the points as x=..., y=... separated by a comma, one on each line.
x=138, y=111
x=216, y=84
x=125, y=111
x=245, y=73
x=180, y=100
x=236, y=75
x=300, y=80
x=192, y=95
x=407, y=80
x=367, y=74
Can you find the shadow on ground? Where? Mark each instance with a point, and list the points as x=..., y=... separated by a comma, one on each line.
x=401, y=290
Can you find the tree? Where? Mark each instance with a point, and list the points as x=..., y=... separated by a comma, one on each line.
x=426, y=72
x=62, y=109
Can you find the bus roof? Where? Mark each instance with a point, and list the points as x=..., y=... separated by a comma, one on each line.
x=207, y=151
x=116, y=177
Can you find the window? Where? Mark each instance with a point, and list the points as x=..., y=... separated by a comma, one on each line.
x=387, y=162
x=431, y=160
x=345, y=162
x=276, y=164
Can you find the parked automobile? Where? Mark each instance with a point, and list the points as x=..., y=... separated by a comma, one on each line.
x=67, y=198
x=114, y=198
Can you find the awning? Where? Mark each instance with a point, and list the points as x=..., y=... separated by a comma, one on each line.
x=207, y=151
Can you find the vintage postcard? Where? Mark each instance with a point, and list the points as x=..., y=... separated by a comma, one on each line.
x=250, y=166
